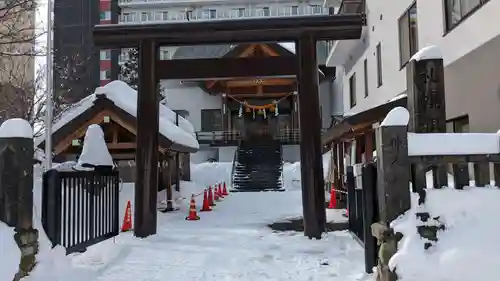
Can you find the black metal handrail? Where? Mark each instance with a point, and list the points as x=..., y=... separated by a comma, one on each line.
x=235, y=159
x=283, y=135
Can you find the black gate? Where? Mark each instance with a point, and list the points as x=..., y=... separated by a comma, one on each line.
x=80, y=208
x=362, y=208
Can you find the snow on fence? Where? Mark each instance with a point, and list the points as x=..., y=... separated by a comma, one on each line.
x=380, y=191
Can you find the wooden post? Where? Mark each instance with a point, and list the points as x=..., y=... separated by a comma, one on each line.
x=146, y=180
x=186, y=167
x=16, y=189
x=426, y=104
x=369, y=146
x=370, y=214
x=393, y=168
x=313, y=195
x=177, y=171
x=168, y=171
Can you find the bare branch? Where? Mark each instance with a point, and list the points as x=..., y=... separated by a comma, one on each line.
x=18, y=30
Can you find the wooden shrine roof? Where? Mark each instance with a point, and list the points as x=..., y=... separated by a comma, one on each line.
x=94, y=114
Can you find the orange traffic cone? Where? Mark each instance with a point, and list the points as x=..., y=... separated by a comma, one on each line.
x=219, y=190
x=333, y=199
x=224, y=190
x=127, y=219
x=206, y=205
x=192, y=216
x=211, y=197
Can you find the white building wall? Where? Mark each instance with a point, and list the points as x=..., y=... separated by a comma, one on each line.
x=382, y=27
x=190, y=98
x=475, y=31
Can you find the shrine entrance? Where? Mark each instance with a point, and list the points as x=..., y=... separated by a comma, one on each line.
x=304, y=31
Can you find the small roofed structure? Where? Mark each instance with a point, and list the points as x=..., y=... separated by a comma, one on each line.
x=113, y=108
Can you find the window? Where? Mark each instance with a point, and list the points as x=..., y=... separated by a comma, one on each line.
x=241, y=12
x=146, y=16
x=105, y=75
x=379, y=65
x=352, y=90
x=105, y=15
x=265, y=11
x=458, y=125
x=295, y=10
x=458, y=10
x=213, y=13
x=408, y=35
x=161, y=16
x=105, y=54
x=316, y=9
x=183, y=113
x=211, y=120
x=365, y=69
x=126, y=17
x=164, y=54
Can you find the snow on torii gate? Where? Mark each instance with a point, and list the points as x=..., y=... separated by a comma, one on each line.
x=305, y=31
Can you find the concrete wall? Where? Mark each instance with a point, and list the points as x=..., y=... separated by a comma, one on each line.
x=291, y=153
x=226, y=153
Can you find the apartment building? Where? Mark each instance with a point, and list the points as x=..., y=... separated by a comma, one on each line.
x=79, y=67
x=371, y=71
x=17, y=60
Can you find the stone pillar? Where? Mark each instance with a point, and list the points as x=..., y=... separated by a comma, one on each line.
x=16, y=189
x=393, y=168
x=426, y=104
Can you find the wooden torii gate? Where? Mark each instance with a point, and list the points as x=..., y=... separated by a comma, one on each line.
x=305, y=31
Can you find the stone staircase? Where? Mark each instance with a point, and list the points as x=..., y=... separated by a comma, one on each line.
x=258, y=165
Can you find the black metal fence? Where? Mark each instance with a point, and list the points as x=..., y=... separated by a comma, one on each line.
x=362, y=206
x=80, y=208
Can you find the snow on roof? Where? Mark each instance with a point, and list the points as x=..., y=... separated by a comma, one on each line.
x=398, y=116
x=16, y=128
x=124, y=97
x=428, y=53
x=95, y=151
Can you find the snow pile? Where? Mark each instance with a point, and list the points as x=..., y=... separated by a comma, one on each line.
x=205, y=174
x=467, y=250
x=291, y=172
x=11, y=255
x=16, y=128
x=94, y=151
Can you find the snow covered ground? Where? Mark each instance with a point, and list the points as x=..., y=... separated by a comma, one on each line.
x=233, y=243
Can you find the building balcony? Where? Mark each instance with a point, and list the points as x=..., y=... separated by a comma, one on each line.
x=341, y=49
x=205, y=14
